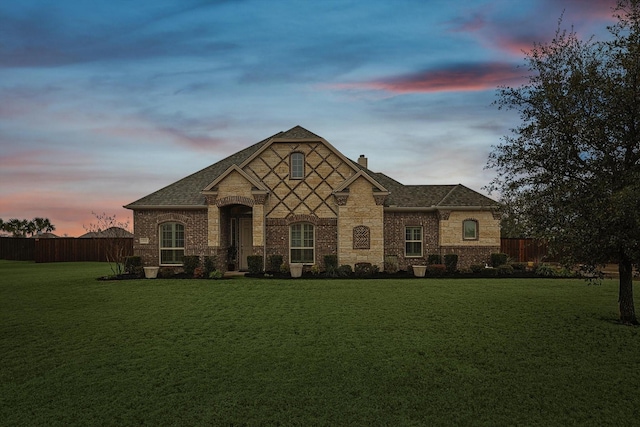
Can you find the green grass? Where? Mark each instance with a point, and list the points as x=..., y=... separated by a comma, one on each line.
x=77, y=351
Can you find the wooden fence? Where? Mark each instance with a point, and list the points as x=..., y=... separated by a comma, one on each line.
x=525, y=250
x=17, y=248
x=63, y=249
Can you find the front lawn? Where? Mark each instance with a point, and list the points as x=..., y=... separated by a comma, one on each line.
x=78, y=351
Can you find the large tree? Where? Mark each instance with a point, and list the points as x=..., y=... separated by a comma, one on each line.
x=571, y=170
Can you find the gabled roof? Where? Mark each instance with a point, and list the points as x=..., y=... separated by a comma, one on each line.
x=187, y=193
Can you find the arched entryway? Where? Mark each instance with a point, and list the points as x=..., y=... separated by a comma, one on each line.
x=237, y=234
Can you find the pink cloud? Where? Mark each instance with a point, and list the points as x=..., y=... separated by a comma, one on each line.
x=465, y=78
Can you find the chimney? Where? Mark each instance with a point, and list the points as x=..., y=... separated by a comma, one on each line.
x=362, y=161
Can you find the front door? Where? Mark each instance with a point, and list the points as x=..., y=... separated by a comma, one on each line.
x=246, y=241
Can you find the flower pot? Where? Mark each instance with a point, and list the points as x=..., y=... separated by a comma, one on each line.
x=295, y=269
x=419, y=270
x=151, y=272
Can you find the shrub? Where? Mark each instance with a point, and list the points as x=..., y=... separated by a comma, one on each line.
x=131, y=262
x=490, y=272
x=545, y=270
x=199, y=273
x=391, y=264
x=209, y=265
x=215, y=274
x=476, y=268
x=255, y=264
x=519, y=266
x=284, y=268
x=451, y=262
x=165, y=272
x=365, y=269
x=499, y=259
x=504, y=270
x=274, y=263
x=436, y=270
x=344, y=270
x=315, y=269
x=330, y=261
x=190, y=263
x=434, y=259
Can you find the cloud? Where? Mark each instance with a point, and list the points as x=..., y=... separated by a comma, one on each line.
x=455, y=78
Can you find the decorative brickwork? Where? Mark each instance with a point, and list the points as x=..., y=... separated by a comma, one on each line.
x=361, y=237
x=234, y=200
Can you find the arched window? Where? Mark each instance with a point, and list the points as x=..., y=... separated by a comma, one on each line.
x=302, y=243
x=470, y=229
x=171, y=243
x=297, y=166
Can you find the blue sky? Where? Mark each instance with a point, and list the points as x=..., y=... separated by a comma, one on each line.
x=102, y=103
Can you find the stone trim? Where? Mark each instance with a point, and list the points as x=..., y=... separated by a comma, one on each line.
x=234, y=200
x=444, y=215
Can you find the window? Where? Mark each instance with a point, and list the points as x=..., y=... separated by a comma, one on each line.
x=413, y=241
x=302, y=243
x=297, y=166
x=470, y=229
x=171, y=243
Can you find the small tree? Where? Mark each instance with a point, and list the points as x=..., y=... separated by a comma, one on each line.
x=109, y=227
x=570, y=172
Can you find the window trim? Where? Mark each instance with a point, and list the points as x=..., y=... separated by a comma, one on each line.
x=302, y=248
x=174, y=241
x=421, y=241
x=477, y=229
x=292, y=169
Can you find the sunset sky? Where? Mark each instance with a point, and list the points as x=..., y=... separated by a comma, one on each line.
x=104, y=102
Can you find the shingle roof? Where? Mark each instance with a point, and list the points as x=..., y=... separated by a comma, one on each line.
x=187, y=191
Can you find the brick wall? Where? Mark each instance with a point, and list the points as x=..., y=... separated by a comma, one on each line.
x=147, y=222
x=278, y=236
x=394, y=234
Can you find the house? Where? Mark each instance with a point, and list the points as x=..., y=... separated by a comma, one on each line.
x=111, y=232
x=294, y=194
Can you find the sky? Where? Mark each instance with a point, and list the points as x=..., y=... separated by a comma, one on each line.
x=104, y=102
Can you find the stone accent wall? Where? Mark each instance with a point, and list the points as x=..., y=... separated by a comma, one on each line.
x=146, y=224
x=360, y=209
x=488, y=229
x=394, y=234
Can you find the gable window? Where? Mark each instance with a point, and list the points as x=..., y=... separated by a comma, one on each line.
x=302, y=243
x=413, y=241
x=297, y=166
x=470, y=229
x=171, y=243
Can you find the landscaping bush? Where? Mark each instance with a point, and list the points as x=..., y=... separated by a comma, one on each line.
x=545, y=270
x=274, y=262
x=436, y=270
x=190, y=263
x=489, y=272
x=284, y=268
x=255, y=264
x=499, y=259
x=519, y=266
x=209, y=264
x=365, y=269
x=199, y=273
x=476, y=268
x=330, y=261
x=165, y=273
x=344, y=270
x=434, y=259
x=215, y=274
x=391, y=264
x=132, y=262
x=451, y=262
x=504, y=270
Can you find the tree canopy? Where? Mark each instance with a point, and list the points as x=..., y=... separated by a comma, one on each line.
x=24, y=227
x=570, y=171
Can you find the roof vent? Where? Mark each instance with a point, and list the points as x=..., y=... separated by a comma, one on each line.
x=362, y=161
